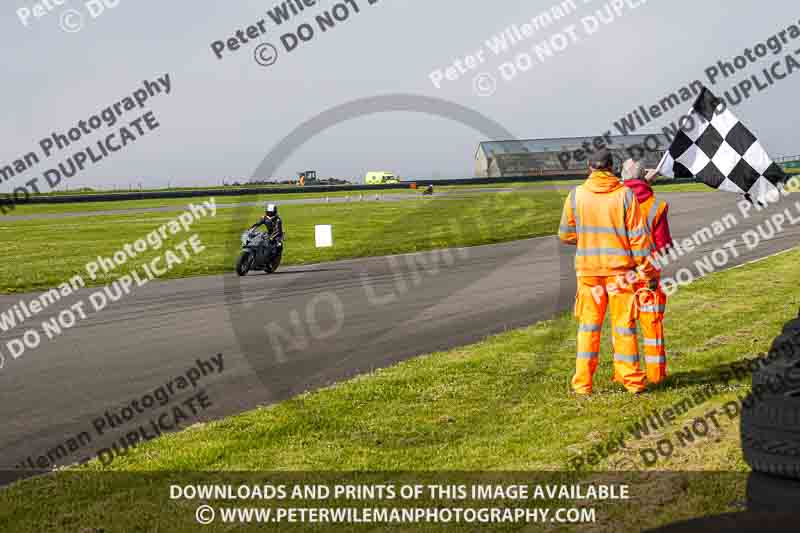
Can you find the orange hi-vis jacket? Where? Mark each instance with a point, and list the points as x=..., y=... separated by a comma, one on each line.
x=653, y=210
x=603, y=218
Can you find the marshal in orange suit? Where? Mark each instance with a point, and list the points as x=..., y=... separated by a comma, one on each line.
x=603, y=219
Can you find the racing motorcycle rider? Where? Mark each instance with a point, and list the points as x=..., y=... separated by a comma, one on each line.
x=272, y=221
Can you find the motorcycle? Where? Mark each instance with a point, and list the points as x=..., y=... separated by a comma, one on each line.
x=258, y=253
x=428, y=191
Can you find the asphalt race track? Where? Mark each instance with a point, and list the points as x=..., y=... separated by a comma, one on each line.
x=372, y=313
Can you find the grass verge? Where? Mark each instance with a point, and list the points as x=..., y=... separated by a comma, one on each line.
x=42, y=253
x=180, y=203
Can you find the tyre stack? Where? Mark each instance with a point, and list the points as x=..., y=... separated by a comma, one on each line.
x=770, y=427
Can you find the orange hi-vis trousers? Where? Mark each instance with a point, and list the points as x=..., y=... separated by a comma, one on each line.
x=593, y=298
x=651, y=306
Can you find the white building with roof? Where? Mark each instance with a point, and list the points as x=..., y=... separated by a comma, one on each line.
x=561, y=156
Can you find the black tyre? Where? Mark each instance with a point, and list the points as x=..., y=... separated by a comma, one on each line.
x=792, y=326
x=786, y=346
x=770, y=423
x=771, y=494
x=779, y=372
x=771, y=439
x=244, y=263
x=780, y=378
x=760, y=522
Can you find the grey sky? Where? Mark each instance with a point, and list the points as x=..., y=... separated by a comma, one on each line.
x=222, y=117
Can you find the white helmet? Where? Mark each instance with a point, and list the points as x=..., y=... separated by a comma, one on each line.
x=271, y=209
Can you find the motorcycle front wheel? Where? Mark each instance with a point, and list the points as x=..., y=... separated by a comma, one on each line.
x=244, y=263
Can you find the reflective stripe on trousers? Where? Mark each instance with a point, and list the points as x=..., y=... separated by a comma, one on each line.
x=652, y=305
x=590, y=309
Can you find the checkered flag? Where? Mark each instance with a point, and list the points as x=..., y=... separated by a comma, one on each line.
x=716, y=148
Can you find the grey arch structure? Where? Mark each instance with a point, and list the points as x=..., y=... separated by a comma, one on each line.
x=374, y=105
x=257, y=351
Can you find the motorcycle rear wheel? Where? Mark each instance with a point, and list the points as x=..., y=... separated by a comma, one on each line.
x=274, y=263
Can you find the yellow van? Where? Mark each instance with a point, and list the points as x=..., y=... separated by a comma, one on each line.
x=792, y=167
x=381, y=178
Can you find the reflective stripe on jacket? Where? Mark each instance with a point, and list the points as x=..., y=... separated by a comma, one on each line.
x=659, y=220
x=655, y=210
x=603, y=218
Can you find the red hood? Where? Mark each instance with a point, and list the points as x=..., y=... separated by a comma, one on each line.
x=640, y=188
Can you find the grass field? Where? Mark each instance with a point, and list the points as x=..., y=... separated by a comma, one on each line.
x=500, y=405
x=42, y=253
x=178, y=203
x=361, y=229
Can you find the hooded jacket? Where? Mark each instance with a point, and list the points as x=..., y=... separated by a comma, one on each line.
x=603, y=218
x=660, y=233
